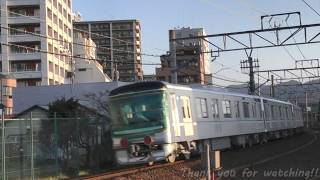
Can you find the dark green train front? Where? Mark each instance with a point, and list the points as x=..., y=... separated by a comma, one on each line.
x=139, y=114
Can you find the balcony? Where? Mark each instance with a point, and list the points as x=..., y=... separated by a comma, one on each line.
x=26, y=74
x=7, y=102
x=24, y=38
x=23, y=3
x=24, y=56
x=23, y=20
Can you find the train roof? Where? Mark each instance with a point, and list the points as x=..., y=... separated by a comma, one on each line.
x=151, y=85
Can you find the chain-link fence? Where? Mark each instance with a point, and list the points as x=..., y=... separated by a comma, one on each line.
x=54, y=148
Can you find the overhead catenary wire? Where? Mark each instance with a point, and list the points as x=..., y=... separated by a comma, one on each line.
x=286, y=50
x=64, y=41
x=99, y=47
x=213, y=84
x=66, y=55
x=311, y=7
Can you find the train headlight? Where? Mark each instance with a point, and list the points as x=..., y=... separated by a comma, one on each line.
x=124, y=142
x=148, y=140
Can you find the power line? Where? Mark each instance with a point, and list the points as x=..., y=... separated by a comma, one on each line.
x=99, y=47
x=213, y=84
x=311, y=7
x=70, y=56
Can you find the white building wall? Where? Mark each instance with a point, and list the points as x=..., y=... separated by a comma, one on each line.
x=18, y=64
x=87, y=69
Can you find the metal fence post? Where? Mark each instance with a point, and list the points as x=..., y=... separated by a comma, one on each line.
x=3, y=140
x=32, y=148
x=56, y=144
x=208, y=162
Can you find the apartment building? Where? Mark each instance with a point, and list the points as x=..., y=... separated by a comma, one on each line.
x=118, y=47
x=32, y=59
x=192, y=65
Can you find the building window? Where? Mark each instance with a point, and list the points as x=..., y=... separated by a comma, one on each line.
x=202, y=108
x=60, y=8
x=50, y=31
x=50, y=67
x=246, y=112
x=49, y=13
x=226, y=108
x=82, y=69
x=215, y=108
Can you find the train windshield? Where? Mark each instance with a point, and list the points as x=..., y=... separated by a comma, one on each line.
x=141, y=110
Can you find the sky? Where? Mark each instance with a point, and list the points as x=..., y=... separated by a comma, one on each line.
x=215, y=16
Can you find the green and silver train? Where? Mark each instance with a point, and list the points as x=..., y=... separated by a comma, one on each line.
x=153, y=121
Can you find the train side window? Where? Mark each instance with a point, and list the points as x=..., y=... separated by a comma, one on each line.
x=288, y=113
x=188, y=109
x=215, y=108
x=266, y=111
x=226, y=108
x=254, y=110
x=280, y=113
x=183, y=113
x=260, y=115
x=246, y=112
x=273, y=115
x=202, y=109
x=237, y=109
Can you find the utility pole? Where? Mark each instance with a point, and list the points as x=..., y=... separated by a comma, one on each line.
x=251, y=74
x=173, y=54
x=272, y=87
x=307, y=118
x=250, y=64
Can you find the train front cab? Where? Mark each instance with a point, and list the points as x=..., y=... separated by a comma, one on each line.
x=139, y=116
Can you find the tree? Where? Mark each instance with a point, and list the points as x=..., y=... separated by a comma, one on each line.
x=103, y=153
x=71, y=128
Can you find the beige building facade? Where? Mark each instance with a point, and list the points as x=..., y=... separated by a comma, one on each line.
x=193, y=65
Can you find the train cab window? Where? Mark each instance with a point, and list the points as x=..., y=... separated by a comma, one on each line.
x=202, y=109
x=226, y=109
x=246, y=112
x=215, y=108
x=237, y=109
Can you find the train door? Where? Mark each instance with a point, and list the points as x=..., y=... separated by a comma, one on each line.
x=186, y=116
x=175, y=115
x=264, y=112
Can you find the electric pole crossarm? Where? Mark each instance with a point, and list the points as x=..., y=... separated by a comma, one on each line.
x=289, y=69
x=297, y=78
x=235, y=41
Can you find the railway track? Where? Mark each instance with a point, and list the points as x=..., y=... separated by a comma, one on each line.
x=134, y=170
x=128, y=171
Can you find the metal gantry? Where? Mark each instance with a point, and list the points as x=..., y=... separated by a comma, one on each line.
x=268, y=36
